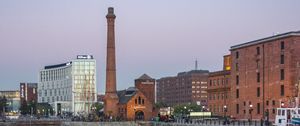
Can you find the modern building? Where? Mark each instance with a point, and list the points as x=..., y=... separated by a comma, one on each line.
x=69, y=87
x=13, y=101
x=219, y=90
x=265, y=75
x=28, y=92
x=186, y=87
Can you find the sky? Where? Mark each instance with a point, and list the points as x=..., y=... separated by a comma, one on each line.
x=156, y=37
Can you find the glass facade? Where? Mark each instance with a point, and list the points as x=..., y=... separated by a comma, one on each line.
x=71, y=86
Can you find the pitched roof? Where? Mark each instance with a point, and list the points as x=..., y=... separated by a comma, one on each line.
x=145, y=77
x=126, y=95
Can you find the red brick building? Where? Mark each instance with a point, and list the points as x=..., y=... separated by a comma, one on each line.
x=28, y=92
x=134, y=105
x=186, y=87
x=265, y=72
x=146, y=85
x=219, y=90
x=137, y=103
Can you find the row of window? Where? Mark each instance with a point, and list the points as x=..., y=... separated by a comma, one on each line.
x=57, y=98
x=215, y=82
x=53, y=92
x=217, y=96
x=258, y=91
x=282, y=77
x=258, y=107
x=140, y=101
x=282, y=46
x=56, y=74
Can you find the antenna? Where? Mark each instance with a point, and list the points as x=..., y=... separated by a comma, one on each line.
x=196, y=64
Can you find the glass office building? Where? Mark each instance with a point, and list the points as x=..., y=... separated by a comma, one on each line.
x=69, y=87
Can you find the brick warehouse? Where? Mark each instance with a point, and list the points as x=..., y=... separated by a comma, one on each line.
x=264, y=74
x=219, y=89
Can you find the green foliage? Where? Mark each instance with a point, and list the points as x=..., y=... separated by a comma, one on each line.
x=185, y=109
x=98, y=106
x=3, y=104
x=26, y=108
x=44, y=109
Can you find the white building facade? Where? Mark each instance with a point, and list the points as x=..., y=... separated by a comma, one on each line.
x=69, y=87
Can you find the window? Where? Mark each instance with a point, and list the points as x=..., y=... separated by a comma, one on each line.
x=210, y=82
x=282, y=90
x=236, y=66
x=237, y=93
x=273, y=111
x=237, y=79
x=282, y=74
x=236, y=54
x=282, y=45
x=258, y=77
x=267, y=103
x=139, y=100
x=143, y=101
x=258, y=92
x=244, y=103
x=273, y=102
x=257, y=50
x=237, y=109
x=135, y=101
x=258, y=108
x=281, y=59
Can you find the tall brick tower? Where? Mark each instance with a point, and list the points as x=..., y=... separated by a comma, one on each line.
x=111, y=98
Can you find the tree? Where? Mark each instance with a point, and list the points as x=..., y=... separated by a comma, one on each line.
x=3, y=104
x=185, y=109
x=24, y=108
x=98, y=106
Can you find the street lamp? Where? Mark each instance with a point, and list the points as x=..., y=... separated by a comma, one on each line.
x=225, y=110
x=184, y=110
x=282, y=104
x=250, y=110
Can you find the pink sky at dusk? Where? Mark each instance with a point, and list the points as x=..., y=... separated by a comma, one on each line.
x=157, y=37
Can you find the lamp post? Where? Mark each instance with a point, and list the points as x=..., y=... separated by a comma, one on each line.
x=225, y=110
x=203, y=110
x=250, y=110
x=184, y=111
x=134, y=114
x=282, y=105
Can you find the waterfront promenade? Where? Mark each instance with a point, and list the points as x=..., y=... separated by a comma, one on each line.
x=69, y=123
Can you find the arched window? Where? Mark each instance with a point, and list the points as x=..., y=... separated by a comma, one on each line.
x=139, y=100
x=142, y=101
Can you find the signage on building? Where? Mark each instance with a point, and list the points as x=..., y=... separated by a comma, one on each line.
x=200, y=114
x=147, y=82
x=22, y=91
x=84, y=57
